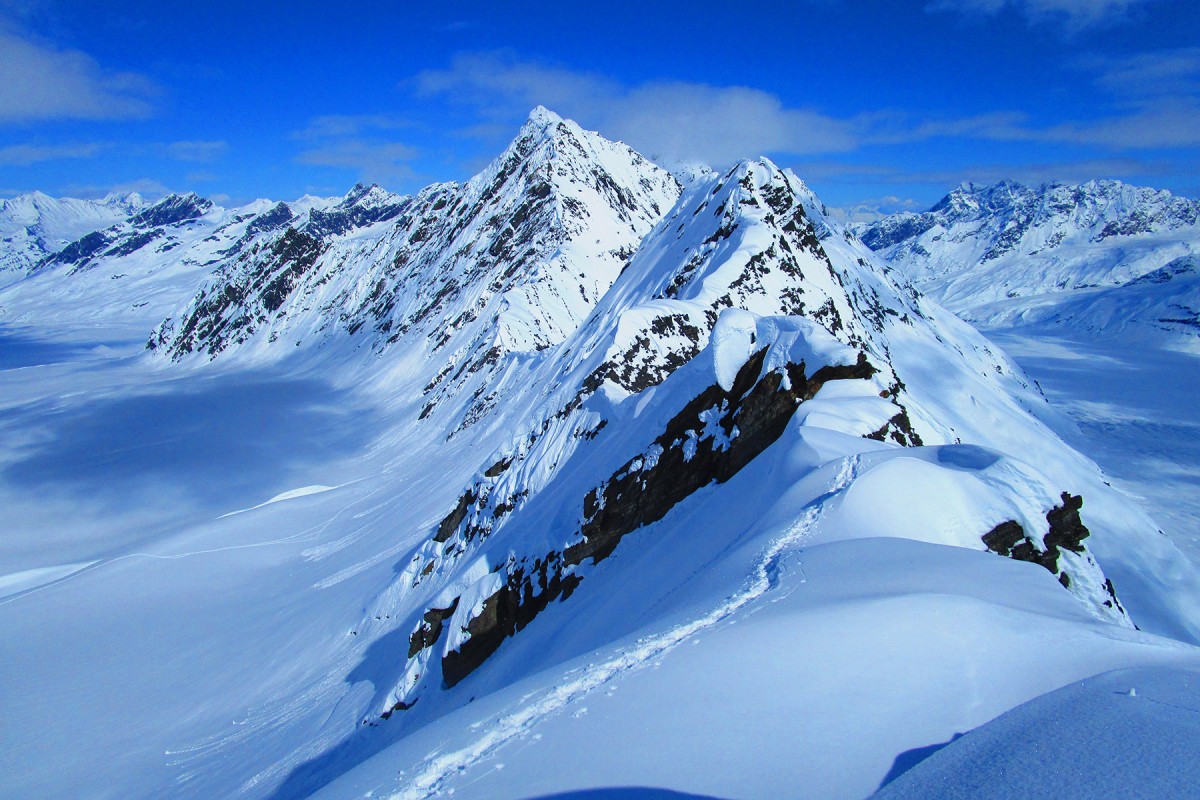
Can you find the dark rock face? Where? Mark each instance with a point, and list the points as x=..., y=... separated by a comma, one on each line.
x=1066, y=532
x=453, y=520
x=81, y=251
x=131, y=244
x=119, y=240
x=217, y=319
x=750, y=417
x=1066, y=528
x=506, y=612
x=171, y=210
x=431, y=631
x=710, y=440
x=1004, y=537
x=877, y=237
x=352, y=213
x=277, y=217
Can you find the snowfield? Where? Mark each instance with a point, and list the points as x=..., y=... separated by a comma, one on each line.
x=569, y=481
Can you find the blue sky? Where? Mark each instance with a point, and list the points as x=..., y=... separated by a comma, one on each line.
x=883, y=104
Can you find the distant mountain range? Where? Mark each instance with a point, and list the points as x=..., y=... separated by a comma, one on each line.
x=1006, y=252
x=622, y=413
x=35, y=225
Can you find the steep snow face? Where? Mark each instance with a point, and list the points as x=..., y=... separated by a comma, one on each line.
x=33, y=226
x=507, y=263
x=983, y=244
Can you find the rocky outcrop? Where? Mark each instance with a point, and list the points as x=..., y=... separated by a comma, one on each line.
x=711, y=439
x=1066, y=532
x=717, y=434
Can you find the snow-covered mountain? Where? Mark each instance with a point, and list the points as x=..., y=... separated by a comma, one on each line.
x=508, y=263
x=127, y=275
x=35, y=225
x=567, y=418
x=987, y=250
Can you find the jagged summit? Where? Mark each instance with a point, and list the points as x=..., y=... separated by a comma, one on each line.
x=509, y=262
x=541, y=117
x=172, y=209
x=744, y=317
x=969, y=197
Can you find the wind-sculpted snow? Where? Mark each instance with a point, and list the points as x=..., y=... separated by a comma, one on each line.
x=988, y=244
x=548, y=431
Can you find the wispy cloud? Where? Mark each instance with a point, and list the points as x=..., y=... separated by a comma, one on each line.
x=332, y=126
x=673, y=120
x=1146, y=75
x=21, y=155
x=374, y=161
x=1073, y=15
x=196, y=150
x=1031, y=173
x=44, y=82
x=680, y=121
x=876, y=208
x=364, y=143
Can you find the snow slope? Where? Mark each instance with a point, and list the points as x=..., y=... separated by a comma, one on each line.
x=1130, y=404
x=1134, y=733
x=600, y=458
x=1162, y=305
x=815, y=677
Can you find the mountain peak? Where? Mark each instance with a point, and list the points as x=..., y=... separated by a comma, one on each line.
x=542, y=117
x=358, y=192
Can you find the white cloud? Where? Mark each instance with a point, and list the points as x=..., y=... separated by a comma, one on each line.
x=1145, y=75
x=332, y=126
x=359, y=142
x=673, y=120
x=374, y=161
x=1171, y=124
x=196, y=150
x=680, y=121
x=44, y=82
x=875, y=208
x=21, y=155
x=1073, y=15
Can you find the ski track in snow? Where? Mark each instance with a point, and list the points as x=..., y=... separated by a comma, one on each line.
x=303, y=491
x=438, y=768
x=308, y=534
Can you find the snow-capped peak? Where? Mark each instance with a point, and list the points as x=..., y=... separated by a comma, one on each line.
x=541, y=117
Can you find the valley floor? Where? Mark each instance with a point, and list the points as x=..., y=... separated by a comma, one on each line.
x=1134, y=411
